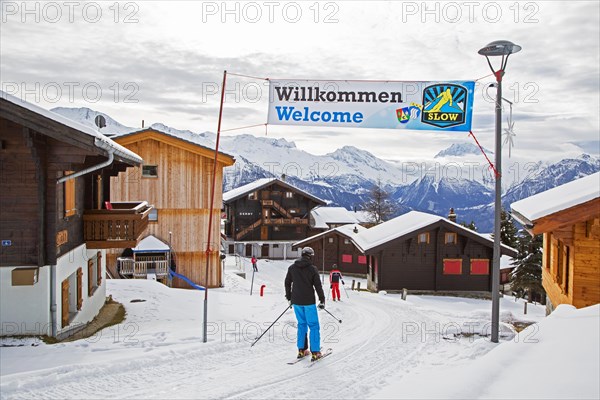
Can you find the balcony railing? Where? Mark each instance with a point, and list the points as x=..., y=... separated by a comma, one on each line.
x=285, y=221
x=120, y=227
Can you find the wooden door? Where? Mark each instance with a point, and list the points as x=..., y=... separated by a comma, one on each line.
x=264, y=251
x=264, y=232
x=248, y=250
x=65, y=303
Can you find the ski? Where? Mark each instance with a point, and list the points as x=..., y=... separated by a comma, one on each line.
x=325, y=354
x=297, y=360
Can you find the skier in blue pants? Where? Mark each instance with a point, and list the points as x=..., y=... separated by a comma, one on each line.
x=301, y=281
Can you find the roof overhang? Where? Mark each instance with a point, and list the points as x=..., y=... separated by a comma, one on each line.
x=175, y=141
x=579, y=213
x=62, y=129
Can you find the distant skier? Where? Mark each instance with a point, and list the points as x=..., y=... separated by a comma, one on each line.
x=335, y=276
x=301, y=281
x=254, y=261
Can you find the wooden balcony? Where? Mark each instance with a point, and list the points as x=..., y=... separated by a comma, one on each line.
x=118, y=228
x=285, y=221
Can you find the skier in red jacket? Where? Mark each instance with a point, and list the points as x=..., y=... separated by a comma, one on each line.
x=335, y=276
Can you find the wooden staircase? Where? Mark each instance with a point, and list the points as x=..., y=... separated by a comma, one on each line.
x=248, y=229
x=277, y=206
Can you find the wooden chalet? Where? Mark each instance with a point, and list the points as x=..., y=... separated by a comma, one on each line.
x=55, y=180
x=265, y=217
x=569, y=218
x=176, y=177
x=335, y=246
x=425, y=252
x=323, y=218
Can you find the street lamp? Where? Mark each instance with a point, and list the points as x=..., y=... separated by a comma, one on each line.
x=502, y=48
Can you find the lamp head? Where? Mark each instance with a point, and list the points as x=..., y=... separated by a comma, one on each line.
x=499, y=48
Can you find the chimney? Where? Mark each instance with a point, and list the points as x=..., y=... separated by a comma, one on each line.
x=452, y=215
x=283, y=177
x=142, y=123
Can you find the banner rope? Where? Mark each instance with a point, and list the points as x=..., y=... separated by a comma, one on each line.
x=248, y=76
x=243, y=127
x=486, y=157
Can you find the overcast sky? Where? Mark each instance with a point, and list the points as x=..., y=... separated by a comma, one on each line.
x=163, y=62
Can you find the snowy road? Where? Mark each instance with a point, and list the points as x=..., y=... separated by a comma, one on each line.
x=160, y=353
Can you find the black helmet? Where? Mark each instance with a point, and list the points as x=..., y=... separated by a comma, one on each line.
x=308, y=251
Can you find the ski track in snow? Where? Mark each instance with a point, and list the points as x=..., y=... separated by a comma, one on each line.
x=369, y=347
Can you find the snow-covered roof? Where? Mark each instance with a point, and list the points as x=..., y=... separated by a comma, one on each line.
x=259, y=184
x=406, y=224
x=345, y=230
x=151, y=244
x=100, y=141
x=559, y=198
x=186, y=136
x=323, y=216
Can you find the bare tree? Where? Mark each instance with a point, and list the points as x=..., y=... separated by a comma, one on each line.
x=379, y=206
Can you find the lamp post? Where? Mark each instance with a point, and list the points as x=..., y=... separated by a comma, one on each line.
x=502, y=48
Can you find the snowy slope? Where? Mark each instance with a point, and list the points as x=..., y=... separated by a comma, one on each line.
x=382, y=343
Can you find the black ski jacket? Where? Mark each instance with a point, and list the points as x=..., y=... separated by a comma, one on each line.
x=301, y=281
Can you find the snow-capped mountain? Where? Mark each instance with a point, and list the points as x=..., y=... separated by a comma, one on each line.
x=461, y=149
x=346, y=176
x=86, y=117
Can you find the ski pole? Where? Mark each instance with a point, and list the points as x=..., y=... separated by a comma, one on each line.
x=344, y=286
x=258, y=338
x=338, y=320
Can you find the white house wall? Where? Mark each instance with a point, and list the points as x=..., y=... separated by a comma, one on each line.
x=24, y=310
x=66, y=266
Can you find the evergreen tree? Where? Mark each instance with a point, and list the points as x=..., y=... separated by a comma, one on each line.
x=508, y=231
x=526, y=278
x=379, y=206
x=470, y=226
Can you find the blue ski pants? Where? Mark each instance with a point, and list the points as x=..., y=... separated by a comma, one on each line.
x=307, y=318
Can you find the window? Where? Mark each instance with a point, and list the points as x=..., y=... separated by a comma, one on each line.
x=153, y=216
x=276, y=228
x=69, y=196
x=289, y=195
x=252, y=196
x=91, y=277
x=423, y=238
x=563, y=267
x=331, y=240
x=452, y=266
x=150, y=171
x=347, y=258
x=294, y=211
x=480, y=266
x=346, y=241
x=362, y=259
x=450, y=238
x=275, y=246
x=266, y=213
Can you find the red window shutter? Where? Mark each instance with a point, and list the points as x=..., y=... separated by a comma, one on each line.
x=99, y=267
x=480, y=266
x=79, y=288
x=347, y=258
x=452, y=266
x=362, y=259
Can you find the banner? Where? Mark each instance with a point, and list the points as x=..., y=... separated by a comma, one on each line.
x=433, y=106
